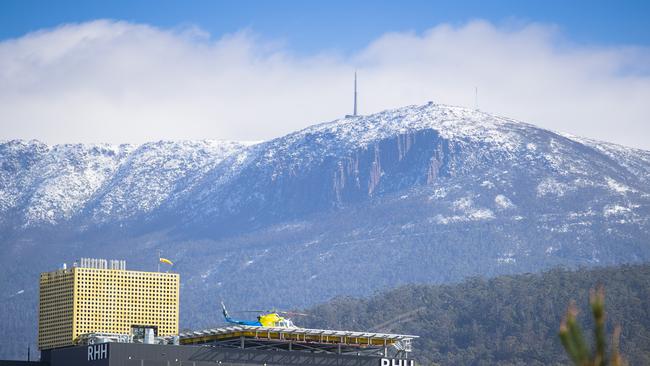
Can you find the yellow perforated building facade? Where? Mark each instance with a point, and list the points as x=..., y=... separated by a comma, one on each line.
x=96, y=297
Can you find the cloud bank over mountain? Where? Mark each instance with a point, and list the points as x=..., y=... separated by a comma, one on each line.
x=113, y=81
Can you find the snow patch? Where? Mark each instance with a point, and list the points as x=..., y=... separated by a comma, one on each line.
x=468, y=212
x=615, y=210
x=503, y=202
x=576, y=215
x=463, y=203
x=550, y=186
x=617, y=186
x=507, y=258
x=481, y=214
x=19, y=292
x=325, y=256
x=291, y=227
x=550, y=250
x=487, y=184
x=310, y=243
x=438, y=193
x=473, y=215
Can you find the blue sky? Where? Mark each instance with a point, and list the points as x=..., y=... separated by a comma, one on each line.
x=135, y=71
x=309, y=26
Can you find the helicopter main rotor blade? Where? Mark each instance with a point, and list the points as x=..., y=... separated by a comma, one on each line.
x=292, y=313
x=270, y=312
x=251, y=311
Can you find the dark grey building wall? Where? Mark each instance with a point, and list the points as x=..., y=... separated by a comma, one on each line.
x=125, y=354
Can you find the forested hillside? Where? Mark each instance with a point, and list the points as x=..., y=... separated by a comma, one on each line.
x=509, y=320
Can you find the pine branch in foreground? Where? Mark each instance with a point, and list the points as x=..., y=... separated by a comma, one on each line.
x=574, y=342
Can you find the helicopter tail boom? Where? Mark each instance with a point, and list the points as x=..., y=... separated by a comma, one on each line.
x=236, y=321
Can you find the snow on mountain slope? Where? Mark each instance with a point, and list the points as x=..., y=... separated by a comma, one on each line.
x=154, y=171
x=50, y=185
x=636, y=161
x=16, y=157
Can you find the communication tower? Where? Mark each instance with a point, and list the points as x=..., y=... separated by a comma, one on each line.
x=355, y=94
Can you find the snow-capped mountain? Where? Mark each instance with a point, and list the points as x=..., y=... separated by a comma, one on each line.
x=350, y=160
x=428, y=193
x=334, y=165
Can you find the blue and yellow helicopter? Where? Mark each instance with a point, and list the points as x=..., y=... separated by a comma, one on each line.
x=269, y=319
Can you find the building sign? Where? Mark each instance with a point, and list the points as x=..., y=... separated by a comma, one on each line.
x=98, y=352
x=396, y=362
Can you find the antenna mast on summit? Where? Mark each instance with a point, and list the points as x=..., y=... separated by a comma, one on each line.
x=476, y=98
x=355, y=94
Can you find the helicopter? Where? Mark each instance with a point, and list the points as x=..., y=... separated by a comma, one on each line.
x=269, y=319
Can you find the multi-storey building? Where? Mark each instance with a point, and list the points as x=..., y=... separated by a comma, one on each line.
x=99, y=296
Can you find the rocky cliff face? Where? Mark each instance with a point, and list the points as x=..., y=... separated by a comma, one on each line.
x=427, y=193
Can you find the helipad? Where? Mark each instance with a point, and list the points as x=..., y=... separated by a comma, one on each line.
x=303, y=339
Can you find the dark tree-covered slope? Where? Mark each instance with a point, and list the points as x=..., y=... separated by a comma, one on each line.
x=508, y=320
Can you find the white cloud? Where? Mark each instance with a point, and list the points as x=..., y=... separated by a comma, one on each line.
x=122, y=82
